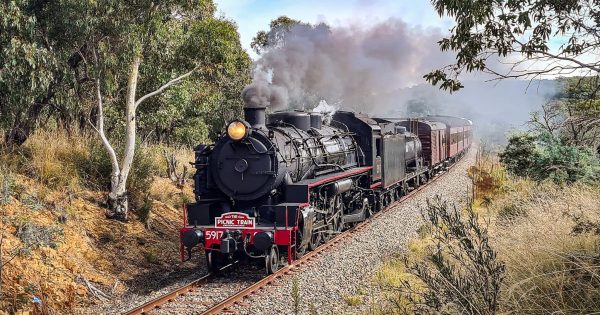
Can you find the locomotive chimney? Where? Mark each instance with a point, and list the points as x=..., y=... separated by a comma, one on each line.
x=255, y=116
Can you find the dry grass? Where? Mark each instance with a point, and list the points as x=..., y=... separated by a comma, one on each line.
x=109, y=254
x=553, y=263
x=548, y=237
x=353, y=300
x=53, y=189
x=54, y=158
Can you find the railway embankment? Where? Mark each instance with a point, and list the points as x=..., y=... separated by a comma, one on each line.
x=59, y=253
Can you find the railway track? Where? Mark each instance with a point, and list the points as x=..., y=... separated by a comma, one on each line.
x=229, y=304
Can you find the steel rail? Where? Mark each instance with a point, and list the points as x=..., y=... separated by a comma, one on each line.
x=171, y=296
x=237, y=298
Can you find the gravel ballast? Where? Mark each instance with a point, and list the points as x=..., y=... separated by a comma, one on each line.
x=350, y=266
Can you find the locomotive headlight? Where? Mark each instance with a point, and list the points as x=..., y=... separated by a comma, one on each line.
x=237, y=130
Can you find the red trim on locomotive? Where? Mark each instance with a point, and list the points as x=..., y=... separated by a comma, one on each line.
x=283, y=236
x=376, y=185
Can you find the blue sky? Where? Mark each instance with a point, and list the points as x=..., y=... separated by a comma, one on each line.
x=255, y=15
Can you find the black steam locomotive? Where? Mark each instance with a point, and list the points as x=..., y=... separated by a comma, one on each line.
x=273, y=190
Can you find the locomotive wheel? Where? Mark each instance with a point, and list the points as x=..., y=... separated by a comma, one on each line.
x=315, y=240
x=338, y=225
x=300, y=250
x=368, y=210
x=272, y=260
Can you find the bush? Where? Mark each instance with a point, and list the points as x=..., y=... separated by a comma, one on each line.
x=96, y=171
x=520, y=155
x=548, y=157
x=7, y=185
x=34, y=235
x=460, y=273
x=561, y=162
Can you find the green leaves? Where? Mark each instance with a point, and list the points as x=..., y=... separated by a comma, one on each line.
x=548, y=157
x=518, y=27
x=52, y=51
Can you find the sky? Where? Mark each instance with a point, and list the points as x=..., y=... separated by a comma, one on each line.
x=252, y=16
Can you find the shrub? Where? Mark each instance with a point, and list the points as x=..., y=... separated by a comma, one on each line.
x=7, y=187
x=33, y=202
x=144, y=212
x=520, y=154
x=561, y=162
x=510, y=211
x=353, y=300
x=460, y=273
x=34, y=235
x=548, y=157
x=96, y=170
x=152, y=258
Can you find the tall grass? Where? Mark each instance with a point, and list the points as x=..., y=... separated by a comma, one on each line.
x=547, y=237
x=77, y=162
x=552, y=251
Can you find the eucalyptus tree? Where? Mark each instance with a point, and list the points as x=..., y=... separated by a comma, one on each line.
x=27, y=71
x=538, y=37
x=106, y=64
x=139, y=51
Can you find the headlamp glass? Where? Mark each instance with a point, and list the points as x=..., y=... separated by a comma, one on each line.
x=237, y=130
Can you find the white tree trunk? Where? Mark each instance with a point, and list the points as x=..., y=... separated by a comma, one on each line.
x=118, y=205
x=117, y=198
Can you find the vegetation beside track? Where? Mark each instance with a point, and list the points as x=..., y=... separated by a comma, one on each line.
x=59, y=253
x=520, y=246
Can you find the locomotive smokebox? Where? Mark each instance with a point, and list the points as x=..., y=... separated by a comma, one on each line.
x=255, y=116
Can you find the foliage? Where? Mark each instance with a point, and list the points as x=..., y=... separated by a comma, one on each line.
x=566, y=163
x=6, y=188
x=461, y=272
x=487, y=176
x=276, y=34
x=488, y=29
x=520, y=155
x=547, y=157
x=144, y=212
x=296, y=295
x=580, y=107
x=34, y=235
x=29, y=67
x=96, y=169
x=53, y=51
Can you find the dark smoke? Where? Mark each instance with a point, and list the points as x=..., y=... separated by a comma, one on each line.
x=263, y=94
x=345, y=65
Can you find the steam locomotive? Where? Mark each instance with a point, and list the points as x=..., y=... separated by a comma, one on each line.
x=270, y=191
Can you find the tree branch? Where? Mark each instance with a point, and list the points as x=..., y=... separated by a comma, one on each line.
x=164, y=87
x=100, y=130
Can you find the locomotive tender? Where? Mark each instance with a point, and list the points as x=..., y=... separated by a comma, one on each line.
x=270, y=191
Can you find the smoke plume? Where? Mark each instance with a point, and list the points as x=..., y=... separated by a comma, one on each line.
x=345, y=65
x=263, y=94
x=378, y=70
